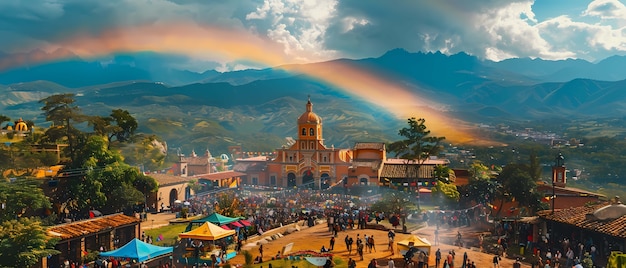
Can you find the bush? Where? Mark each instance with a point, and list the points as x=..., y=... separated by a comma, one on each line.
x=247, y=256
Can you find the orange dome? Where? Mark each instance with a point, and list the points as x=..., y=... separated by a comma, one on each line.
x=309, y=116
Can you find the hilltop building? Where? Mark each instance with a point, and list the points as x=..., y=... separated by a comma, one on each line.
x=308, y=162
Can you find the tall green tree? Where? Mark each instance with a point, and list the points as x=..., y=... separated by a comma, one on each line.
x=519, y=186
x=23, y=243
x=21, y=197
x=416, y=147
x=107, y=176
x=126, y=125
x=481, y=188
x=120, y=124
x=64, y=114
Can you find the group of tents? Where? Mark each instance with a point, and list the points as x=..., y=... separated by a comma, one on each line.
x=208, y=230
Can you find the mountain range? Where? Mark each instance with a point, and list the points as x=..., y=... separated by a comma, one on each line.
x=259, y=108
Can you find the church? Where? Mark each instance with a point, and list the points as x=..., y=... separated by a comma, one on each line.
x=308, y=162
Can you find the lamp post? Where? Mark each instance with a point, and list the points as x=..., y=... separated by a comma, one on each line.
x=557, y=175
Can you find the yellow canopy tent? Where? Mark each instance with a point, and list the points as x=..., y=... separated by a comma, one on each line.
x=414, y=241
x=207, y=232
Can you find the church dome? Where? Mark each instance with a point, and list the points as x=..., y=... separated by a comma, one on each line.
x=309, y=117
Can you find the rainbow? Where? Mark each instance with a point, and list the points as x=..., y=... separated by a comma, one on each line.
x=230, y=45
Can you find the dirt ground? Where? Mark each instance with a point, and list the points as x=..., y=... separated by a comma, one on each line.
x=313, y=238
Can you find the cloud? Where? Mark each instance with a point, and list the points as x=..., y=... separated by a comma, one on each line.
x=317, y=30
x=298, y=25
x=589, y=41
x=606, y=9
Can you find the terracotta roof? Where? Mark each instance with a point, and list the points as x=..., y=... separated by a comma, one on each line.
x=166, y=179
x=374, y=164
x=90, y=226
x=369, y=145
x=249, y=166
x=220, y=175
x=578, y=217
x=567, y=190
x=399, y=171
x=430, y=161
x=197, y=161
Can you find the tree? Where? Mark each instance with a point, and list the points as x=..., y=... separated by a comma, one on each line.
x=126, y=124
x=124, y=128
x=416, y=147
x=228, y=205
x=396, y=202
x=444, y=174
x=480, y=188
x=61, y=111
x=446, y=193
x=20, y=198
x=478, y=171
x=148, y=153
x=519, y=186
x=23, y=243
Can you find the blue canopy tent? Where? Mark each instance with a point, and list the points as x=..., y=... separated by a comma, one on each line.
x=138, y=250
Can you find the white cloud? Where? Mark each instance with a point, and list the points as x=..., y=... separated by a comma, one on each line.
x=606, y=9
x=350, y=23
x=298, y=25
x=590, y=41
x=510, y=31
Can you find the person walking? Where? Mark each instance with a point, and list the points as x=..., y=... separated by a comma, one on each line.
x=496, y=261
x=390, y=263
x=370, y=244
x=332, y=243
x=350, y=242
x=359, y=249
x=437, y=258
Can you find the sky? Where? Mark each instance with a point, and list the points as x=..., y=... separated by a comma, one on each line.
x=231, y=35
x=228, y=35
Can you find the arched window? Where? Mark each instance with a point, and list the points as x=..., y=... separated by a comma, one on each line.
x=311, y=132
x=303, y=131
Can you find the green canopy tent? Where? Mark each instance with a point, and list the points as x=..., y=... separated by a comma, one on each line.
x=214, y=218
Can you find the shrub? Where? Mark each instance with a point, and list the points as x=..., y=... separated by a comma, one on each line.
x=247, y=256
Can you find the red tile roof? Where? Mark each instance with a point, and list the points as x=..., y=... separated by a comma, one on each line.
x=577, y=216
x=167, y=179
x=369, y=145
x=220, y=175
x=90, y=226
